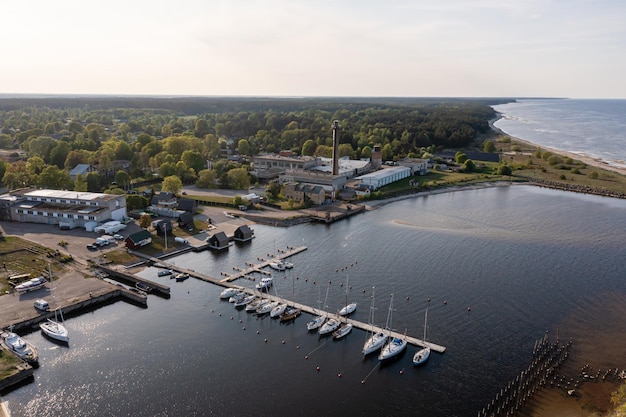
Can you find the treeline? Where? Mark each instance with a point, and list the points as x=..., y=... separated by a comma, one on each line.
x=175, y=136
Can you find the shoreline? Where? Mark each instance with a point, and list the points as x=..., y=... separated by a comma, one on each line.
x=589, y=160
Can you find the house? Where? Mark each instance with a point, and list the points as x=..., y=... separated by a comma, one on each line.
x=187, y=204
x=243, y=233
x=362, y=192
x=138, y=240
x=162, y=226
x=185, y=220
x=164, y=200
x=82, y=169
x=218, y=241
x=300, y=193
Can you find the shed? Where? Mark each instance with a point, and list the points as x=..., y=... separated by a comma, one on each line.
x=185, y=220
x=243, y=233
x=162, y=226
x=187, y=204
x=139, y=239
x=218, y=241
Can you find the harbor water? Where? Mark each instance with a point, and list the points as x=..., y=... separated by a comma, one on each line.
x=500, y=266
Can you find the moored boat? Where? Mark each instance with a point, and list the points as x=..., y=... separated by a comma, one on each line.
x=142, y=286
x=278, y=310
x=245, y=301
x=19, y=347
x=265, y=284
x=290, y=313
x=182, y=276
x=377, y=339
x=228, y=292
x=256, y=304
x=422, y=355
x=266, y=308
x=165, y=273
x=238, y=297
x=316, y=323
x=342, y=331
x=348, y=309
x=393, y=348
x=55, y=330
x=330, y=326
x=277, y=264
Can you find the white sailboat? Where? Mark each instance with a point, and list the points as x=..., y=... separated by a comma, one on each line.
x=53, y=328
x=318, y=321
x=376, y=340
x=348, y=308
x=422, y=355
x=394, y=345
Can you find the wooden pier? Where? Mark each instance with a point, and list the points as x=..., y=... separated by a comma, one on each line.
x=282, y=254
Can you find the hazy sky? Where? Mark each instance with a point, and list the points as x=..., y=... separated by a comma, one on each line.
x=434, y=48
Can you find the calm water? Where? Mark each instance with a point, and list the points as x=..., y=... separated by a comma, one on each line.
x=595, y=128
x=525, y=259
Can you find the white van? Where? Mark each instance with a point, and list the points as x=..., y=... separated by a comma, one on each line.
x=42, y=305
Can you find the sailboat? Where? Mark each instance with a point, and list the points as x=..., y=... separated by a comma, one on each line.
x=318, y=321
x=53, y=328
x=376, y=340
x=394, y=345
x=348, y=308
x=291, y=311
x=423, y=354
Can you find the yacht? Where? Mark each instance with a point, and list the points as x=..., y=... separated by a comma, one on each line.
x=278, y=310
x=228, y=292
x=342, y=331
x=165, y=273
x=31, y=284
x=330, y=326
x=377, y=339
x=278, y=265
x=422, y=355
x=55, y=329
x=238, y=297
x=393, y=348
x=265, y=284
x=290, y=313
x=348, y=309
x=288, y=265
x=318, y=321
x=245, y=301
x=256, y=304
x=266, y=308
x=19, y=347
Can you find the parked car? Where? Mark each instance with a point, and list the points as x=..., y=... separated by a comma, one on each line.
x=118, y=237
x=92, y=246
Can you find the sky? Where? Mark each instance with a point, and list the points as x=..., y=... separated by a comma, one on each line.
x=391, y=48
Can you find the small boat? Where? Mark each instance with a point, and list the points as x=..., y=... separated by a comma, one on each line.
x=318, y=321
x=278, y=310
x=256, y=304
x=264, y=284
x=181, y=277
x=348, y=308
x=228, y=292
x=290, y=313
x=31, y=284
x=376, y=340
x=245, y=301
x=266, y=308
x=19, y=347
x=393, y=348
x=165, y=273
x=422, y=355
x=342, y=331
x=54, y=329
x=238, y=297
x=139, y=292
x=142, y=286
x=330, y=326
x=277, y=264
x=288, y=265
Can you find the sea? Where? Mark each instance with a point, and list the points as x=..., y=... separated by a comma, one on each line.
x=498, y=268
x=588, y=127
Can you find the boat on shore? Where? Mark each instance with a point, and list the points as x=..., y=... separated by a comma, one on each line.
x=31, y=285
x=19, y=347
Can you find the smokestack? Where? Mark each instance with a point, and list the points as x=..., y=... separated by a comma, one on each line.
x=335, y=166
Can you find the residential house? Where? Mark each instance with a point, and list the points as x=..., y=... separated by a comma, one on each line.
x=138, y=240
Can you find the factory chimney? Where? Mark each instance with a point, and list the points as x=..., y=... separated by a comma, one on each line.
x=335, y=166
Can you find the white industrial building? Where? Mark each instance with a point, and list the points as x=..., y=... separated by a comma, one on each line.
x=385, y=176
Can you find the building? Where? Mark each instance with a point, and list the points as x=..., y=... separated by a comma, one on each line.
x=383, y=177
x=303, y=192
x=218, y=241
x=418, y=166
x=270, y=166
x=68, y=209
x=243, y=233
x=82, y=169
x=138, y=240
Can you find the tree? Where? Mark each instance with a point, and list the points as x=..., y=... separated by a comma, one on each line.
x=145, y=221
x=94, y=182
x=5, y=141
x=122, y=178
x=206, y=179
x=123, y=151
x=194, y=160
x=468, y=166
x=55, y=178
x=488, y=146
x=308, y=147
x=504, y=169
x=243, y=147
x=172, y=184
x=238, y=179
x=17, y=176
x=59, y=154
x=80, y=183
x=460, y=157
x=136, y=202
x=35, y=165
x=345, y=149
x=618, y=399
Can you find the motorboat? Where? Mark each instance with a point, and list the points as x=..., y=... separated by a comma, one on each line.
x=142, y=286
x=266, y=308
x=290, y=313
x=228, y=292
x=182, y=276
x=165, y=273
x=392, y=348
x=245, y=301
x=19, y=347
x=277, y=264
x=288, y=265
x=238, y=297
x=422, y=355
x=265, y=284
x=278, y=310
x=31, y=284
x=330, y=326
x=342, y=331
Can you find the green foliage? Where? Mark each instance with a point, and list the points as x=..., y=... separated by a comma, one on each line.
x=505, y=139
x=562, y=177
x=460, y=157
x=172, y=184
x=55, y=178
x=94, y=182
x=488, y=146
x=554, y=160
x=238, y=179
x=516, y=148
x=575, y=171
x=545, y=155
x=308, y=148
x=593, y=175
x=145, y=220
x=206, y=179
x=504, y=169
x=468, y=166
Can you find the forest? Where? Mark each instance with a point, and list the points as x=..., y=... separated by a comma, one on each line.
x=43, y=138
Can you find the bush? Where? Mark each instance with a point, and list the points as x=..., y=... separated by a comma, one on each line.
x=575, y=171
x=593, y=175
x=554, y=160
x=563, y=177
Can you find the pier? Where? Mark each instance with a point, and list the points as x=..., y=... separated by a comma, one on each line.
x=228, y=279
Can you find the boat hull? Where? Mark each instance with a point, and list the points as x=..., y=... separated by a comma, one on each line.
x=55, y=331
x=392, y=349
x=374, y=343
x=421, y=356
x=342, y=331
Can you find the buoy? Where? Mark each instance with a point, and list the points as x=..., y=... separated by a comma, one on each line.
x=339, y=374
x=362, y=381
x=212, y=311
x=257, y=332
x=363, y=291
x=220, y=314
x=244, y=328
x=306, y=356
x=401, y=371
x=407, y=297
x=469, y=308
x=231, y=317
x=265, y=340
x=240, y=321
x=306, y=280
x=298, y=347
x=317, y=368
x=429, y=299
x=283, y=342
x=445, y=302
